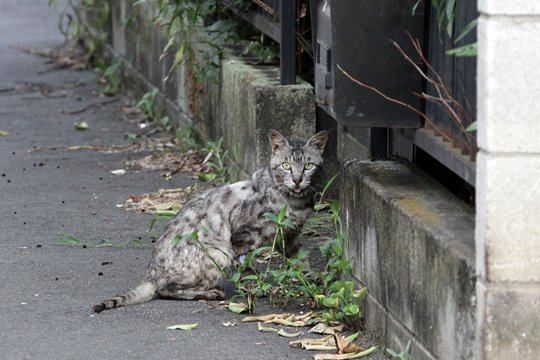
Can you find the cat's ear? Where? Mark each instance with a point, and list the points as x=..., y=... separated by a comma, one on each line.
x=318, y=141
x=277, y=141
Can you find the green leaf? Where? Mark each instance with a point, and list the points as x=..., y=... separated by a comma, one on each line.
x=182, y=327
x=360, y=294
x=281, y=215
x=351, y=310
x=465, y=50
x=450, y=12
x=272, y=217
x=473, y=126
x=132, y=137
x=250, y=278
x=137, y=243
x=288, y=224
x=284, y=333
x=220, y=26
x=3, y=133
x=415, y=6
x=194, y=235
x=105, y=243
x=179, y=56
x=331, y=302
x=237, y=307
x=207, y=177
x=67, y=240
x=470, y=26
x=235, y=278
x=349, y=339
x=391, y=352
x=81, y=125
x=166, y=213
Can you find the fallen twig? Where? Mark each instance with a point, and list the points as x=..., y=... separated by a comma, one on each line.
x=102, y=103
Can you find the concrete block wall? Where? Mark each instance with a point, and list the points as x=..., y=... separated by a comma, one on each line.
x=241, y=107
x=508, y=189
x=413, y=247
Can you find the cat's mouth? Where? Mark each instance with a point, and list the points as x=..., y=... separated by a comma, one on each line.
x=297, y=191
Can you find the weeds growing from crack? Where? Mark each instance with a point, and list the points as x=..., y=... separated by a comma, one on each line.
x=283, y=280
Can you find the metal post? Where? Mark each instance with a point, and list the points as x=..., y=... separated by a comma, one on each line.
x=287, y=48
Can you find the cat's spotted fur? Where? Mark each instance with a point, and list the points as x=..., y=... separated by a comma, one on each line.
x=228, y=222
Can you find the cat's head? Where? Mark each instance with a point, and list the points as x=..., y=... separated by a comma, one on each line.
x=294, y=163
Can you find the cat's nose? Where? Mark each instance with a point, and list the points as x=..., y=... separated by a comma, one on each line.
x=297, y=181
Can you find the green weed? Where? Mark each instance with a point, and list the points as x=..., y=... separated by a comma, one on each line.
x=404, y=355
x=147, y=104
x=112, y=76
x=215, y=161
x=336, y=297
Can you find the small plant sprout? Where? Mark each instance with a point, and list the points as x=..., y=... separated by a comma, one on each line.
x=404, y=355
x=147, y=104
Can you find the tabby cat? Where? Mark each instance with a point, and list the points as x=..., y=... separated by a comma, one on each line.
x=218, y=225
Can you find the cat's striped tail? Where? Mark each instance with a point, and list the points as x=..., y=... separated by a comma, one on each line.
x=142, y=293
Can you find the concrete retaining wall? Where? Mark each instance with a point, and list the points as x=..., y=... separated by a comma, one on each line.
x=413, y=245
x=241, y=107
x=412, y=241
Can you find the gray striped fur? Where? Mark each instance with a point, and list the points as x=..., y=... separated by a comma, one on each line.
x=228, y=222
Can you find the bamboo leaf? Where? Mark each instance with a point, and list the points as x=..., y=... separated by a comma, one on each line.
x=416, y=6
x=182, y=327
x=450, y=13
x=470, y=26
x=262, y=328
x=465, y=50
x=179, y=56
x=284, y=333
x=472, y=127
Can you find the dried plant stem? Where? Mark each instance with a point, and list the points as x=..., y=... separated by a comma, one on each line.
x=391, y=99
x=443, y=97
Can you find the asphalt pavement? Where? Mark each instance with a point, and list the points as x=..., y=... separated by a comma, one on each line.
x=46, y=190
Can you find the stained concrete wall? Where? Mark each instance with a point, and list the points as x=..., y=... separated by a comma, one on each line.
x=413, y=247
x=241, y=107
x=250, y=102
x=508, y=189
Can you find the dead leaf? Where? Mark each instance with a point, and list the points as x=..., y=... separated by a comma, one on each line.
x=131, y=110
x=262, y=328
x=237, y=307
x=4, y=133
x=357, y=355
x=322, y=328
x=118, y=172
x=286, y=322
x=229, y=324
x=163, y=199
x=173, y=162
x=284, y=333
x=351, y=348
x=263, y=318
x=285, y=319
x=182, y=327
x=321, y=344
x=345, y=345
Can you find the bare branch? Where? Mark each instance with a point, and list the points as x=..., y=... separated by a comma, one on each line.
x=395, y=101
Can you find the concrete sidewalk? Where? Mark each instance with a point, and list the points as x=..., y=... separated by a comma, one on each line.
x=47, y=290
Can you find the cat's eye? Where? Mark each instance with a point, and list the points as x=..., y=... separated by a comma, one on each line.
x=286, y=166
x=309, y=166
